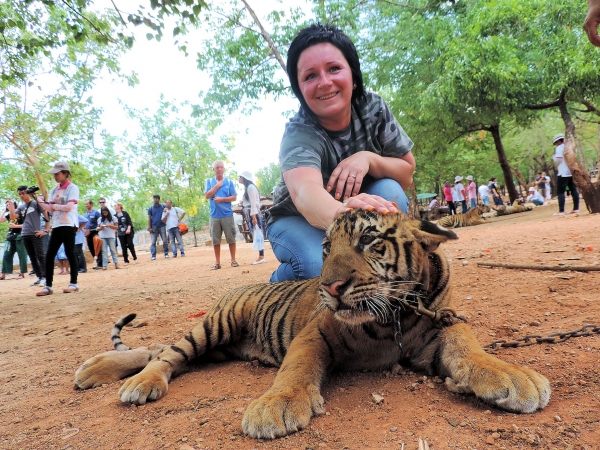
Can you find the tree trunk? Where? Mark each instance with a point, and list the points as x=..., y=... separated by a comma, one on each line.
x=508, y=179
x=520, y=177
x=589, y=191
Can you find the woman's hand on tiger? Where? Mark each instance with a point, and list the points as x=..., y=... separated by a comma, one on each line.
x=370, y=203
x=277, y=414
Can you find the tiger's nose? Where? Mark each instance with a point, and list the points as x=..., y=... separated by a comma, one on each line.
x=334, y=288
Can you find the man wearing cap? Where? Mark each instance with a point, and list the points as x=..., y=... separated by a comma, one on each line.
x=461, y=195
x=535, y=197
x=156, y=227
x=472, y=191
x=62, y=203
x=171, y=217
x=493, y=187
x=220, y=192
x=564, y=177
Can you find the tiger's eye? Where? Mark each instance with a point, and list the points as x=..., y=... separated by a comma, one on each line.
x=366, y=239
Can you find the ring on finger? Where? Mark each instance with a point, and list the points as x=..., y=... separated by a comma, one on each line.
x=351, y=176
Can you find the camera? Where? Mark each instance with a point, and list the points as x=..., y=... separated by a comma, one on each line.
x=32, y=189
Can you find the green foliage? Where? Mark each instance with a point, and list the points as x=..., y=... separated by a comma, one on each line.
x=267, y=178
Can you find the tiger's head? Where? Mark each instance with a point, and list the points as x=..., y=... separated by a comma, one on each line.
x=370, y=260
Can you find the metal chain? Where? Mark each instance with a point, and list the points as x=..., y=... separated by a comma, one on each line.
x=552, y=338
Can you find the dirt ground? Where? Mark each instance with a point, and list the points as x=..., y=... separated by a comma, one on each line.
x=43, y=340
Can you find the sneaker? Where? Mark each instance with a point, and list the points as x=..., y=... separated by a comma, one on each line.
x=46, y=291
x=98, y=268
x=32, y=273
x=71, y=288
x=36, y=282
x=183, y=255
x=575, y=211
x=82, y=271
x=260, y=261
x=559, y=214
x=153, y=258
x=175, y=255
x=166, y=256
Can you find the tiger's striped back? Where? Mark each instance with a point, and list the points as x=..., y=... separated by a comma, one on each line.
x=470, y=218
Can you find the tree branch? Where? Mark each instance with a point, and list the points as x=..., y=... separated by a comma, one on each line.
x=265, y=35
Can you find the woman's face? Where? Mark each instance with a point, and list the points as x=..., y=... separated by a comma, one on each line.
x=60, y=177
x=325, y=80
x=105, y=213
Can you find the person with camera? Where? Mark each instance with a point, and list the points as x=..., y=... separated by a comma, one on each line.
x=32, y=232
x=14, y=243
x=62, y=203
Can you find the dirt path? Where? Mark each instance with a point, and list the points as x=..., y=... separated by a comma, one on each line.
x=45, y=339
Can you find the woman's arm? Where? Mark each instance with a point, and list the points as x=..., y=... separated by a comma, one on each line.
x=305, y=185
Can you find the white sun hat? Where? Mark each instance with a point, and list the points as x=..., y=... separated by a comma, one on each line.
x=247, y=175
x=457, y=178
x=558, y=137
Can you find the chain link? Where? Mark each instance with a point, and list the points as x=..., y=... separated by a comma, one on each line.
x=552, y=338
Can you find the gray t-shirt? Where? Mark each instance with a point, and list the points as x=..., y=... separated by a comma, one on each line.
x=305, y=143
x=31, y=212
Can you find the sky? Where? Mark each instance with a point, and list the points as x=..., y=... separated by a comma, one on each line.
x=162, y=68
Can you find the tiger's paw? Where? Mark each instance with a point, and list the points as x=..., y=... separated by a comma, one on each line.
x=279, y=414
x=146, y=386
x=507, y=386
x=97, y=371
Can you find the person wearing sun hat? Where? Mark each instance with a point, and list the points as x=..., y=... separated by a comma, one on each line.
x=461, y=194
x=564, y=177
x=62, y=204
x=251, y=208
x=535, y=197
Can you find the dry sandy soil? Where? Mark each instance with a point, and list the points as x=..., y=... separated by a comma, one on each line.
x=45, y=339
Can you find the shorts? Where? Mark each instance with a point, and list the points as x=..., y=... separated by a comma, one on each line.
x=223, y=225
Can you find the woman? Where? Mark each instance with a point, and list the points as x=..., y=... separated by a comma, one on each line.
x=449, y=198
x=342, y=150
x=15, y=245
x=251, y=208
x=107, y=225
x=63, y=206
x=125, y=232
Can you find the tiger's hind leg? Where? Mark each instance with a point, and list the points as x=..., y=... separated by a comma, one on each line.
x=470, y=370
x=114, y=365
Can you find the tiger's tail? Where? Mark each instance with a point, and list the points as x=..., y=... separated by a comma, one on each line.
x=115, y=335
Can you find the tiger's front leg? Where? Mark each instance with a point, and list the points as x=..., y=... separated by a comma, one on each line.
x=152, y=383
x=295, y=395
x=471, y=370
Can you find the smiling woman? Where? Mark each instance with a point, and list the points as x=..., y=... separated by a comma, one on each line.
x=344, y=149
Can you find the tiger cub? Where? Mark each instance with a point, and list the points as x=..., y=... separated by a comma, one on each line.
x=353, y=317
x=515, y=208
x=468, y=219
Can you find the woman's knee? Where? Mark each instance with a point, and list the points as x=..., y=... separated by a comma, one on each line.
x=390, y=190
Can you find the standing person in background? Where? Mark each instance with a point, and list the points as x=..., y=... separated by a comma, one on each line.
x=548, y=191
x=493, y=186
x=32, y=233
x=13, y=246
x=540, y=184
x=484, y=193
x=449, y=197
x=62, y=204
x=79, y=238
x=564, y=178
x=125, y=232
x=107, y=227
x=91, y=230
x=472, y=192
x=156, y=227
x=251, y=208
x=461, y=194
x=171, y=217
x=220, y=192
x=45, y=227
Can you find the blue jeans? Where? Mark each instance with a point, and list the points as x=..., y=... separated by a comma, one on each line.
x=486, y=200
x=162, y=231
x=109, y=243
x=473, y=203
x=297, y=244
x=465, y=208
x=174, y=234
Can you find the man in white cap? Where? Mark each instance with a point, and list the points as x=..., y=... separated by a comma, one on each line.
x=472, y=192
x=564, y=177
x=461, y=195
x=535, y=197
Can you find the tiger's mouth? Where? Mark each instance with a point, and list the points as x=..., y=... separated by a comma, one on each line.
x=361, y=312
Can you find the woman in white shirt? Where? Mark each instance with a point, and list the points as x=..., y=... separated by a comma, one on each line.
x=107, y=227
x=251, y=209
x=62, y=205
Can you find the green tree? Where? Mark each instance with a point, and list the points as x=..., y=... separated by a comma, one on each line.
x=268, y=177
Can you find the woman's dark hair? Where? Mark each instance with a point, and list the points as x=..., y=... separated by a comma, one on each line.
x=108, y=216
x=319, y=34
x=246, y=184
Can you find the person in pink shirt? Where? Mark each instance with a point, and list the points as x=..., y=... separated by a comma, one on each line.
x=448, y=197
x=472, y=191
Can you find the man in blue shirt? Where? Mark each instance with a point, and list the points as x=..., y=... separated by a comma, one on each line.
x=79, y=237
x=157, y=227
x=91, y=229
x=220, y=192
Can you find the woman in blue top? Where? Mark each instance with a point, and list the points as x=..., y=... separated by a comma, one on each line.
x=343, y=149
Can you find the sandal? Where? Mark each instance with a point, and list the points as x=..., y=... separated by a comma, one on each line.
x=20, y=277
x=215, y=266
x=2, y=277
x=234, y=264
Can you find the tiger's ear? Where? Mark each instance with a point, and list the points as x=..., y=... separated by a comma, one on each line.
x=430, y=235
